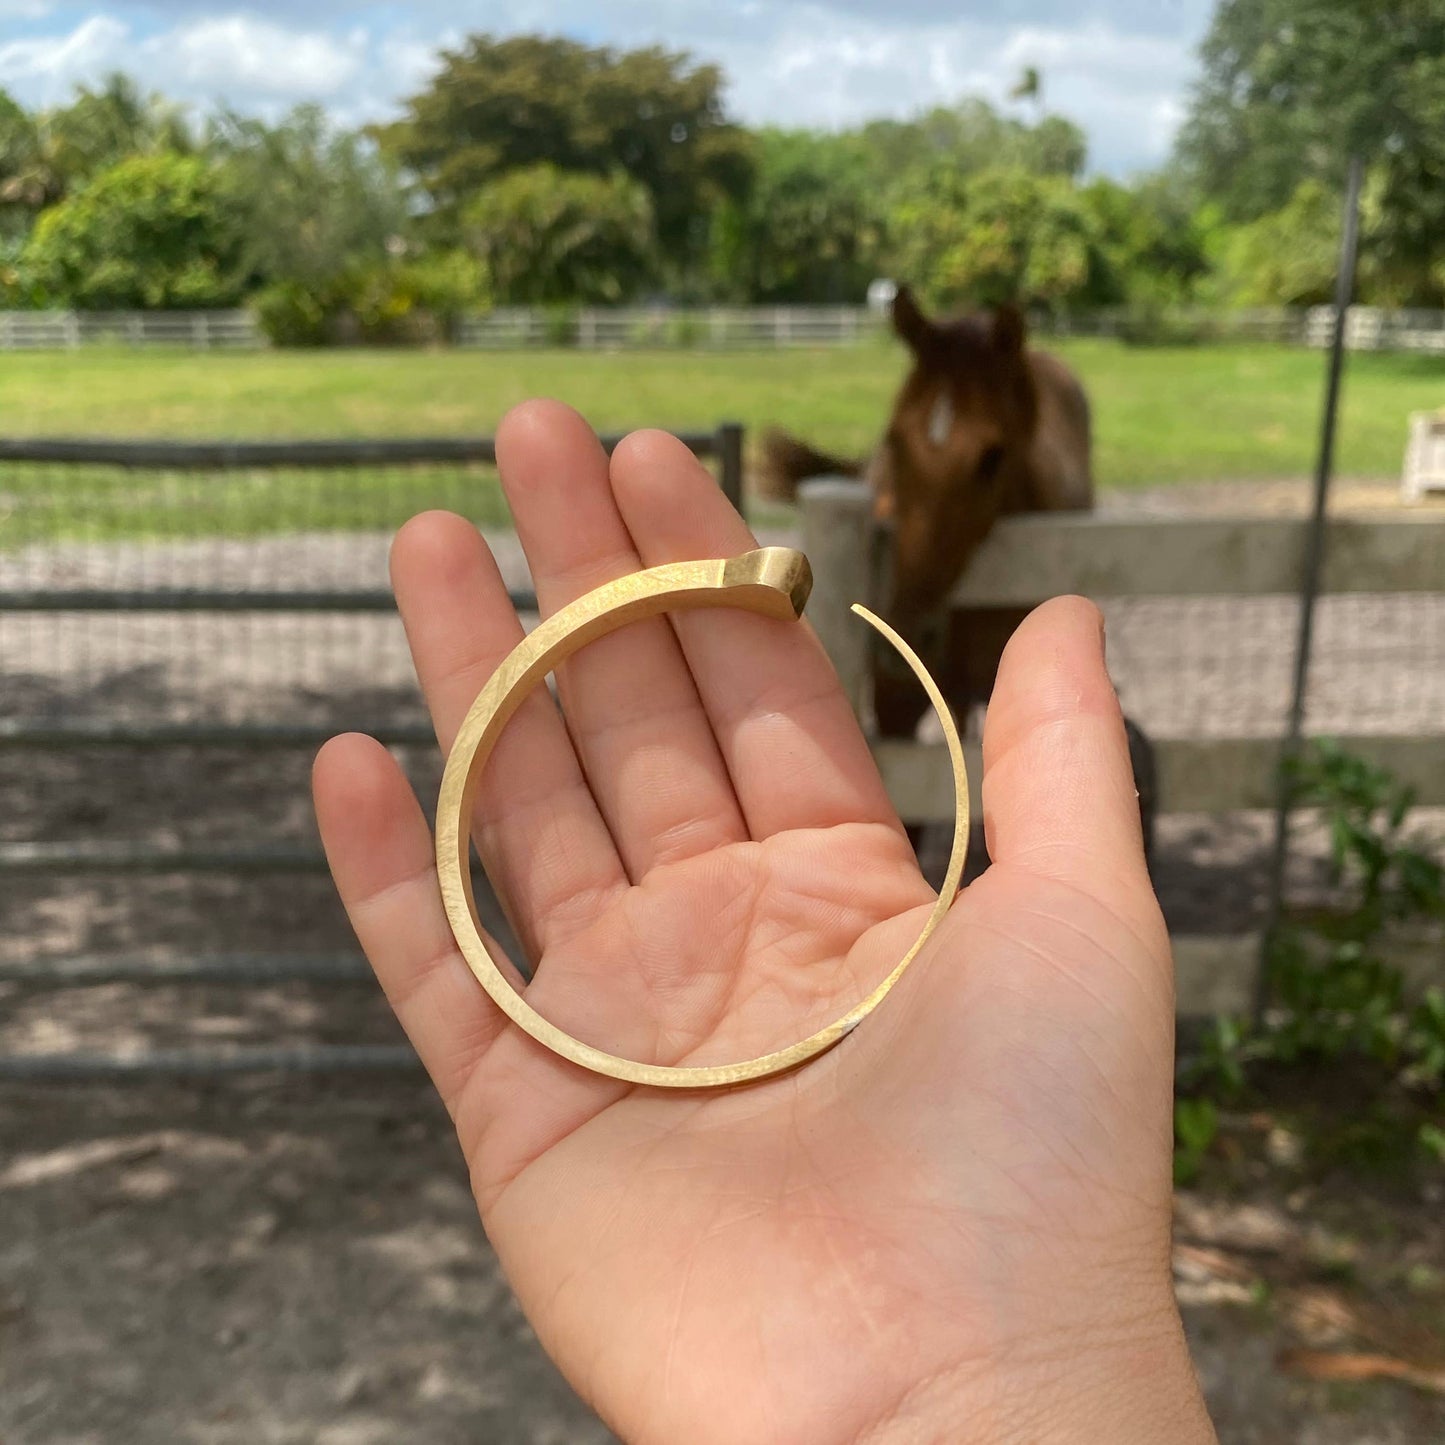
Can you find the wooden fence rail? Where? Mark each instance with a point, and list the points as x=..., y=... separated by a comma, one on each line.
x=1026, y=559
x=1368, y=328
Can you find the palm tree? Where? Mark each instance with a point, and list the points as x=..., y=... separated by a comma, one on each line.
x=1030, y=86
x=100, y=127
x=44, y=155
x=30, y=168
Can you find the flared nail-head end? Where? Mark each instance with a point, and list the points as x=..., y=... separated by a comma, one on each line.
x=780, y=569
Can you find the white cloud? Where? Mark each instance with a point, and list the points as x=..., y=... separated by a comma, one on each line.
x=1117, y=67
x=238, y=58
x=1131, y=87
x=241, y=55
x=54, y=62
x=1125, y=90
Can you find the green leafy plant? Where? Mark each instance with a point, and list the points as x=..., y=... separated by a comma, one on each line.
x=1196, y=1126
x=151, y=231
x=1432, y=1141
x=1366, y=809
x=559, y=325
x=385, y=303
x=1425, y=1041
x=1333, y=998
x=1345, y=1002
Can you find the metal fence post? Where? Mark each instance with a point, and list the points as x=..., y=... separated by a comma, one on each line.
x=837, y=514
x=1313, y=568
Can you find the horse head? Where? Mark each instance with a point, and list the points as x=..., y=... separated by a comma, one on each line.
x=956, y=452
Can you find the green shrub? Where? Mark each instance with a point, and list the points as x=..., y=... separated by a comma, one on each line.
x=154, y=231
x=559, y=325
x=1196, y=1124
x=389, y=303
x=1147, y=325
x=1332, y=998
x=292, y=315
x=686, y=329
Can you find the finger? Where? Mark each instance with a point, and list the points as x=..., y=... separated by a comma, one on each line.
x=630, y=703
x=380, y=851
x=792, y=745
x=1058, y=788
x=541, y=839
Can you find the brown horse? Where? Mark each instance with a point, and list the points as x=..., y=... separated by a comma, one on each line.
x=983, y=427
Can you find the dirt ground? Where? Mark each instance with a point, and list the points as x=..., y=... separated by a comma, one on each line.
x=297, y=1259
x=282, y=1260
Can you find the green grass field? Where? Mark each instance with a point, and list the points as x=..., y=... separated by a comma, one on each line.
x=1162, y=414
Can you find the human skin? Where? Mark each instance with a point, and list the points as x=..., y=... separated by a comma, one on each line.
x=952, y=1227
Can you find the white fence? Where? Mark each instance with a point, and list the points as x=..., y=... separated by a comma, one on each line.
x=67, y=330
x=1368, y=328
x=616, y=328
x=1371, y=328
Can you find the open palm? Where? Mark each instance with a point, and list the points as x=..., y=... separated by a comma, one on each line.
x=951, y=1227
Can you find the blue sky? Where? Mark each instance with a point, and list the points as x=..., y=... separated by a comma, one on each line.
x=1121, y=68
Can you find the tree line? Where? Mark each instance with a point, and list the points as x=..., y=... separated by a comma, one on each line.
x=539, y=170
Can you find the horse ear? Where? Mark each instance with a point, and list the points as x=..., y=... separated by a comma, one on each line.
x=912, y=326
x=1009, y=329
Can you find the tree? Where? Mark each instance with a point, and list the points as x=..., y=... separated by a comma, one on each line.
x=313, y=200
x=1053, y=147
x=502, y=105
x=101, y=127
x=1287, y=258
x=810, y=229
x=1292, y=87
x=969, y=137
x=152, y=231
x=1029, y=86
x=546, y=235
x=47, y=154
x=1290, y=256
x=1000, y=235
x=30, y=170
x=1150, y=245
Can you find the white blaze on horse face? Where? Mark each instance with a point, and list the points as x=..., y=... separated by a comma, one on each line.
x=940, y=419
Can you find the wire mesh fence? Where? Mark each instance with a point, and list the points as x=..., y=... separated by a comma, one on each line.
x=181, y=625
x=1218, y=667
x=218, y=586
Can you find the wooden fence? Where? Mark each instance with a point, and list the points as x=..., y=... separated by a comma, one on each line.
x=1023, y=560
x=617, y=328
x=70, y=330
x=1029, y=558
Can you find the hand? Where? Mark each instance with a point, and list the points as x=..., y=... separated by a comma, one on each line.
x=954, y=1226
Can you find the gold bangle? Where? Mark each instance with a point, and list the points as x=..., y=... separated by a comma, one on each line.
x=774, y=581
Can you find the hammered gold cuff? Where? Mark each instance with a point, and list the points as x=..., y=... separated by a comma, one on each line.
x=774, y=581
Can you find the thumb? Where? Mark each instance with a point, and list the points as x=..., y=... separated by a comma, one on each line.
x=1058, y=788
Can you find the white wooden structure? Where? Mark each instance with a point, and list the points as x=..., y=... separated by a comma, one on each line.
x=1367, y=328
x=68, y=330
x=1425, y=456
x=1028, y=558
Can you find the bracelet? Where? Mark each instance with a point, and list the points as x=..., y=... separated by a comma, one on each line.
x=773, y=581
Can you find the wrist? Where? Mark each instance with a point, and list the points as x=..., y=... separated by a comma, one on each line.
x=1075, y=1389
